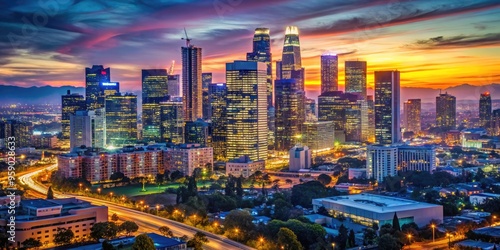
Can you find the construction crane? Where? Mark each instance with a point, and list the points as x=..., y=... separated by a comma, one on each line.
x=188, y=41
x=171, y=70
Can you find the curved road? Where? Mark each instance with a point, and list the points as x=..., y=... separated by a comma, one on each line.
x=146, y=222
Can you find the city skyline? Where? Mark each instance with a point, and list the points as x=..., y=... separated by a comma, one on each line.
x=376, y=32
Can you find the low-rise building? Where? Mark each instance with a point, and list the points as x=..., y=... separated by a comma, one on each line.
x=300, y=158
x=186, y=157
x=480, y=198
x=367, y=209
x=244, y=167
x=40, y=219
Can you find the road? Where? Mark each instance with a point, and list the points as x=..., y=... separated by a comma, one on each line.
x=146, y=222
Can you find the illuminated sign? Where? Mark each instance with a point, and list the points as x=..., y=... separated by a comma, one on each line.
x=109, y=84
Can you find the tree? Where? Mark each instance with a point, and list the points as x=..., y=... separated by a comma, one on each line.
x=114, y=217
x=324, y=179
x=302, y=194
x=116, y=176
x=282, y=209
x=107, y=246
x=103, y=230
x=143, y=242
x=240, y=219
x=166, y=231
x=369, y=236
x=63, y=236
x=31, y=243
x=387, y=242
x=341, y=239
x=197, y=241
x=288, y=240
x=129, y=227
x=395, y=223
x=50, y=193
x=322, y=210
x=351, y=239
x=239, y=186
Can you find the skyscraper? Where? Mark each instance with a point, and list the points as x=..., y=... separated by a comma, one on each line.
x=172, y=121
x=154, y=90
x=20, y=130
x=88, y=128
x=290, y=115
x=93, y=78
x=446, y=111
x=246, y=110
x=218, y=102
x=329, y=73
x=387, y=107
x=154, y=85
x=174, y=86
x=198, y=132
x=206, y=81
x=355, y=78
x=411, y=120
x=484, y=109
x=121, y=119
x=70, y=104
x=262, y=53
x=291, y=59
x=344, y=110
x=191, y=82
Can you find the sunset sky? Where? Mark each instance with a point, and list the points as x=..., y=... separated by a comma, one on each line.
x=434, y=43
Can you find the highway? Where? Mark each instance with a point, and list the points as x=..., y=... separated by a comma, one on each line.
x=146, y=222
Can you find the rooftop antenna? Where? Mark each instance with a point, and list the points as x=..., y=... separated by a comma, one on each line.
x=188, y=41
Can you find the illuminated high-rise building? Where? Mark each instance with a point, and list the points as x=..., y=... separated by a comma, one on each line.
x=355, y=78
x=345, y=110
x=318, y=135
x=310, y=107
x=154, y=85
x=411, y=119
x=192, y=96
x=121, y=119
x=446, y=111
x=88, y=128
x=218, y=102
x=70, y=104
x=246, y=110
x=387, y=107
x=484, y=109
x=329, y=73
x=93, y=78
x=381, y=161
x=290, y=115
x=262, y=53
x=370, y=135
x=174, y=85
x=154, y=90
x=172, y=121
x=21, y=131
x=198, y=132
x=206, y=81
x=291, y=59
x=495, y=123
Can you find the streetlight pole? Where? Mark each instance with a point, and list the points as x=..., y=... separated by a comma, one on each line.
x=449, y=240
x=409, y=241
x=433, y=227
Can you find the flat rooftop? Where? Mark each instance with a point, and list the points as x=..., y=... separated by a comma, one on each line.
x=39, y=203
x=376, y=203
x=490, y=231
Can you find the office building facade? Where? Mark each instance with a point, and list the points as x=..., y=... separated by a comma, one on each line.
x=121, y=119
x=218, y=102
x=412, y=115
x=387, y=107
x=355, y=78
x=172, y=121
x=70, y=104
x=329, y=73
x=290, y=115
x=381, y=161
x=192, y=96
x=484, y=109
x=88, y=128
x=446, y=111
x=246, y=110
x=94, y=77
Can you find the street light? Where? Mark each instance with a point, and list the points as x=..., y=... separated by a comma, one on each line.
x=99, y=190
x=80, y=186
x=449, y=240
x=111, y=194
x=409, y=241
x=333, y=246
x=433, y=227
x=157, y=208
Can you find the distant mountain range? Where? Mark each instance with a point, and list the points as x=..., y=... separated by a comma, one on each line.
x=52, y=95
x=35, y=95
